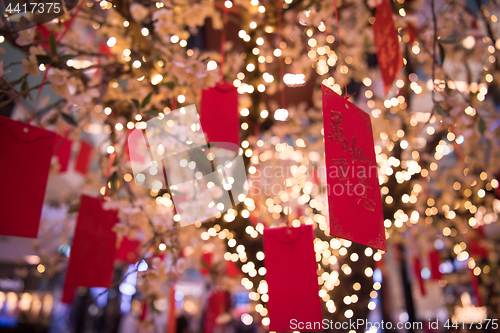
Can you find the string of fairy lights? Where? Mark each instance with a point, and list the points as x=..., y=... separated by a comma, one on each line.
x=328, y=252
x=298, y=187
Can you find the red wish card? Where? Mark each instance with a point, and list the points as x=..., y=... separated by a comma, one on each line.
x=128, y=251
x=62, y=149
x=206, y=262
x=68, y=293
x=291, y=277
x=417, y=270
x=218, y=303
x=93, y=250
x=354, y=201
x=219, y=113
x=83, y=158
x=434, y=262
x=25, y=154
x=390, y=59
x=232, y=270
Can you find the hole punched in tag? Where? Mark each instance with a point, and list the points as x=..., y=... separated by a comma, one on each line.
x=26, y=130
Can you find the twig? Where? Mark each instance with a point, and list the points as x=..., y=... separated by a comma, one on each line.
x=12, y=64
x=434, y=44
x=16, y=81
x=10, y=100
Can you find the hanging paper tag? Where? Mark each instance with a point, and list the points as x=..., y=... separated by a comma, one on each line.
x=434, y=262
x=354, y=201
x=291, y=278
x=417, y=270
x=128, y=251
x=232, y=270
x=68, y=293
x=25, y=152
x=390, y=59
x=218, y=304
x=62, y=149
x=93, y=250
x=83, y=158
x=206, y=263
x=219, y=113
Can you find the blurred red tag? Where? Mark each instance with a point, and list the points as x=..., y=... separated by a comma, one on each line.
x=417, y=270
x=354, y=201
x=172, y=318
x=206, y=262
x=62, y=149
x=219, y=113
x=93, y=250
x=390, y=59
x=68, y=293
x=291, y=277
x=434, y=262
x=218, y=303
x=83, y=158
x=25, y=152
x=128, y=251
x=232, y=270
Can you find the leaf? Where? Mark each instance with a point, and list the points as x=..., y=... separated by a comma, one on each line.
x=43, y=59
x=53, y=44
x=441, y=51
x=439, y=110
x=146, y=100
x=73, y=208
x=204, y=264
x=175, y=192
x=69, y=119
x=448, y=41
x=481, y=125
x=136, y=103
x=152, y=112
x=24, y=87
x=113, y=179
x=66, y=57
x=170, y=85
x=447, y=88
x=309, y=5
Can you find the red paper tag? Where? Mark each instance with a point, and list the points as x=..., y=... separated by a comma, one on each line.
x=145, y=311
x=128, y=251
x=390, y=59
x=25, y=153
x=206, y=262
x=172, y=317
x=93, y=250
x=219, y=113
x=232, y=270
x=291, y=277
x=218, y=303
x=354, y=201
x=434, y=262
x=62, y=149
x=83, y=158
x=417, y=270
x=68, y=294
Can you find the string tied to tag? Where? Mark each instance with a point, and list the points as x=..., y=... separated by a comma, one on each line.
x=225, y=12
x=59, y=38
x=343, y=70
